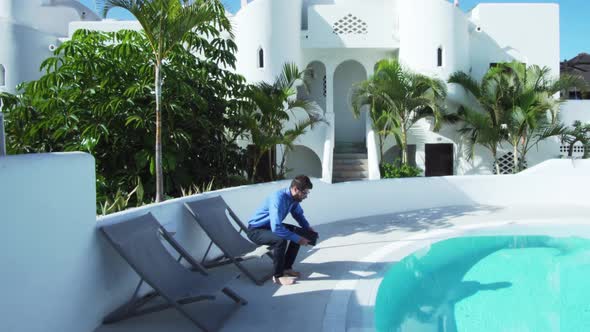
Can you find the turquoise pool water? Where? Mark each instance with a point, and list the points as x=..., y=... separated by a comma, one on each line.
x=489, y=283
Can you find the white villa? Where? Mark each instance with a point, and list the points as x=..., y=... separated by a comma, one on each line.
x=340, y=40
x=59, y=272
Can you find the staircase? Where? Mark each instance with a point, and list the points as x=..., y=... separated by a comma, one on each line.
x=350, y=162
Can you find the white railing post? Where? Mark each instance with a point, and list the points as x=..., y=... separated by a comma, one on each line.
x=328, y=149
x=372, y=153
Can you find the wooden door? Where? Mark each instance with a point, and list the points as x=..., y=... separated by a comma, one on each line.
x=439, y=159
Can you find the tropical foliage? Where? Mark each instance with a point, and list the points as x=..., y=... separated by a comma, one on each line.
x=398, y=170
x=515, y=103
x=397, y=98
x=97, y=96
x=168, y=24
x=273, y=106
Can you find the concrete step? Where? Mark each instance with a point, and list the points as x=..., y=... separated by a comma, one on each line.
x=337, y=180
x=350, y=147
x=350, y=167
x=351, y=162
x=339, y=156
x=340, y=149
x=350, y=174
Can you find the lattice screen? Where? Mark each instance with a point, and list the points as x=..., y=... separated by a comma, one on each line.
x=325, y=86
x=506, y=164
x=350, y=24
x=578, y=150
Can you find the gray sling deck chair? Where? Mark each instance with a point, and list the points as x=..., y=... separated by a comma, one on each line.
x=210, y=213
x=139, y=242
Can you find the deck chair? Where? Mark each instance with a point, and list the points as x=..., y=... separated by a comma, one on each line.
x=211, y=215
x=139, y=242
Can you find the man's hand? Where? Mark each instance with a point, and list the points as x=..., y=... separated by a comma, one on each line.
x=303, y=241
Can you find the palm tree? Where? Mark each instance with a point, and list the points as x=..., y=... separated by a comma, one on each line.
x=165, y=24
x=533, y=107
x=485, y=124
x=383, y=122
x=397, y=99
x=273, y=104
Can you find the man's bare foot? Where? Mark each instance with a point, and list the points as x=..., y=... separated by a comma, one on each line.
x=284, y=281
x=292, y=273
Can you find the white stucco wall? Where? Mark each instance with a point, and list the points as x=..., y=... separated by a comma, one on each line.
x=48, y=252
x=274, y=26
x=426, y=25
x=60, y=274
x=526, y=32
x=28, y=29
x=573, y=110
x=379, y=16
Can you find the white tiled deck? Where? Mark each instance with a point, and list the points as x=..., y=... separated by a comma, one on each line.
x=342, y=273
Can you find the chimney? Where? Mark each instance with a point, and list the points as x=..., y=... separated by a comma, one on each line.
x=244, y=3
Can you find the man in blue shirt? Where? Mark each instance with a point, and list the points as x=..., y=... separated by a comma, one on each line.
x=266, y=227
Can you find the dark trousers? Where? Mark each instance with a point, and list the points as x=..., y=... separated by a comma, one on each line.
x=284, y=251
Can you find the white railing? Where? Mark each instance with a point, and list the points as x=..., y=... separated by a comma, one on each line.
x=372, y=149
x=328, y=157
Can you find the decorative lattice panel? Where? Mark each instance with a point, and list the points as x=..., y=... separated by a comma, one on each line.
x=506, y=163
x=578, y=150
x=325, y=86
x=350, y=24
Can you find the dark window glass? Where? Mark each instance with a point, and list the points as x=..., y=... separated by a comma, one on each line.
x=260, y=58
x=439, y=57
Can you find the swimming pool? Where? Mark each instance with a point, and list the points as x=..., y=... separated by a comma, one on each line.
x=489, y=283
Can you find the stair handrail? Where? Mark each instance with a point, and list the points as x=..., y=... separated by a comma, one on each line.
x=328, y=155
x=372, y=155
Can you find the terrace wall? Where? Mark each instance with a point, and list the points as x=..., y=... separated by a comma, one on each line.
x=59, y=274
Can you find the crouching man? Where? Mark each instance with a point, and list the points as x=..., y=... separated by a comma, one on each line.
x=266, y=228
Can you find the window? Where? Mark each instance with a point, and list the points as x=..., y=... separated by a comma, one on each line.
x=350, y=25
x=260, y=58
x=2, y=75
x=575, y=95
x=439, y=57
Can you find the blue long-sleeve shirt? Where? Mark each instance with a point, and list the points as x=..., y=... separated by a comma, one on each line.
x=274, y=210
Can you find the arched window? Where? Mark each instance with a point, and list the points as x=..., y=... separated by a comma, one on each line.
x=439, y=57
x=260, y=58
x=2, y=75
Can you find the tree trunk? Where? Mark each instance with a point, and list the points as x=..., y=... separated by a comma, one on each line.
x=515, y=158
x=570, y=152
x=496, y=163
x=257, y=157
x=404, y=147
x=270, y=168
x=159, y=171
x=380, y=149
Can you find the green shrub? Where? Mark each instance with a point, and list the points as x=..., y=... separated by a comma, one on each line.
x=398, y=170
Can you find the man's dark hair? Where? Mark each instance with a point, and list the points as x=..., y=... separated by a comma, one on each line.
x=301, y=182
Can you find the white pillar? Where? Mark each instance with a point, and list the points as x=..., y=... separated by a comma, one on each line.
x=244, y=3
x=421, y=157
x=329, y=139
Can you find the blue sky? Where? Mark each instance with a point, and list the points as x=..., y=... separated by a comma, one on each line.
x=575, y=24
